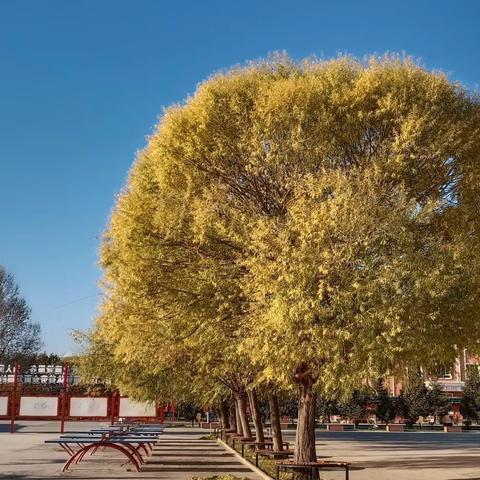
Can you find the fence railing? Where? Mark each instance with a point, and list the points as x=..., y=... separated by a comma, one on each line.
x=63, y=406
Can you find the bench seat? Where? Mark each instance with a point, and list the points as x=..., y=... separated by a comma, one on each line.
x=276, y=454
x=311, y=467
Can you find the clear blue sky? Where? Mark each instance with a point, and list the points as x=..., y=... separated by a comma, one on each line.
x=82, y=83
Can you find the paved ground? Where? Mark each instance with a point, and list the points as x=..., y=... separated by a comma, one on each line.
x=180, y=455
x=403, y=456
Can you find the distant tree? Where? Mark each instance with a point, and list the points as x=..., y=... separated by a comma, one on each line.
x=438, y=402
x=288, y=403
x=264, y=407
x=386, y=409
x=470, y=404
x=44, y=358
x=19, y=337
x=325, y=408
x=413, y=401
x=187, y=410
x=355, y=408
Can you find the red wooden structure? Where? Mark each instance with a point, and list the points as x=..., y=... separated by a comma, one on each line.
x=63, y=406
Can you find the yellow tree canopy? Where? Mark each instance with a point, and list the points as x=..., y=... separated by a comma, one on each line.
x=97, y=364
x=293, y=220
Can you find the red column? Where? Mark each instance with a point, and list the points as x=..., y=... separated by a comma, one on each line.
x=13, y=400
x=113, y=406
x=162, y=412
x=64, y=398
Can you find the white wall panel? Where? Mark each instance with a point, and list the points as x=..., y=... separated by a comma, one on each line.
x=3, y=405
x=88, y=407
x=129, y=408
x=39, y=406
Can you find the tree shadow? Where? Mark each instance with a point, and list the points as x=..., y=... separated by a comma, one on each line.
x=431, y=462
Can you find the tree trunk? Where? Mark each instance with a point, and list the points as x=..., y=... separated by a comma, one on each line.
x=275, y=421
x=256, y=415
x=220, y=416
x=232, y=417
x=305, y=439
x=242, y=412
x=238, y=421
x=223, y=414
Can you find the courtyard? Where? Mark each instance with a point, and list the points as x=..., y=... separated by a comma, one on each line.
x=374, y=455
x=261, y=219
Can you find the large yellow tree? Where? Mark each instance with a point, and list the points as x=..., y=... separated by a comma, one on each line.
x=309, y=224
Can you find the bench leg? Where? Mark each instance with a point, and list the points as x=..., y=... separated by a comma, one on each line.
x=68, y=449
x=145, y=449
x=81, y=453
x=80, y=457
x=134, y=451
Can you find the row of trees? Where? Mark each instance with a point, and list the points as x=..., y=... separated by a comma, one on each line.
x=20, y=337
x=418, y=399
x=294, y=227
x=415, y=401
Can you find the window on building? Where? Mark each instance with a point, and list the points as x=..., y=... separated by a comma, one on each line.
x=444, y=372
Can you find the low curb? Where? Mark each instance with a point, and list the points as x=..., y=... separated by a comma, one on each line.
x=250, y=465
